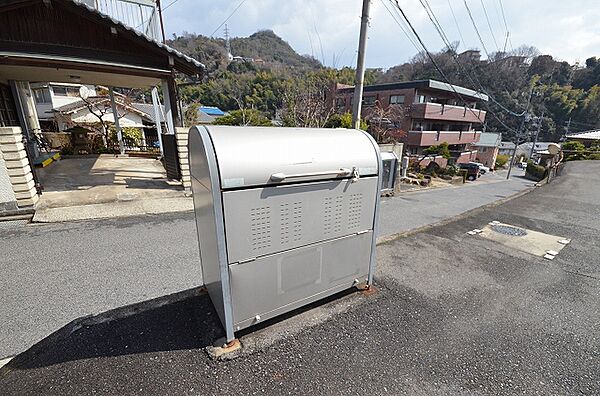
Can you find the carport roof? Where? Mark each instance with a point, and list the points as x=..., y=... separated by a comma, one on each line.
x=35, y=35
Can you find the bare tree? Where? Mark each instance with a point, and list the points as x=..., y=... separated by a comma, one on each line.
x=384, y=123
x=99, y=107
x=305, y=103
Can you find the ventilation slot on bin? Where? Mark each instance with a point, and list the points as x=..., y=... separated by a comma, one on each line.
x=333, y=214
x=290, y=222
x=260, y=228
x=355, y=211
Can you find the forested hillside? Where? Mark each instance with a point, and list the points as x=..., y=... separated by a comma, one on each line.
x=566, y=94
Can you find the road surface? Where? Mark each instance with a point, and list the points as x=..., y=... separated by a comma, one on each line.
x=54, y=273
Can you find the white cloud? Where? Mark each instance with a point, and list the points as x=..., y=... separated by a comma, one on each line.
x=565, y=29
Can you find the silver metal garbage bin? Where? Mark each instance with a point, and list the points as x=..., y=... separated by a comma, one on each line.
x=285, y=216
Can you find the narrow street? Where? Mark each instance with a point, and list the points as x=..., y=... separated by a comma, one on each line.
x=455, y=314
x=64, y=271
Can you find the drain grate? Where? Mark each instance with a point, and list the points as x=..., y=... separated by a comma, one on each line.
x=509, y=230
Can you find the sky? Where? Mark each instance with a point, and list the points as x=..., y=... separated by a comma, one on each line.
x=329, y=29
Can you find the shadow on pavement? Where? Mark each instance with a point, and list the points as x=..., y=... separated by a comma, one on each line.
x=185, y=320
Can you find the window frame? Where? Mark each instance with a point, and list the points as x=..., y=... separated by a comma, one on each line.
x=369, y=103
x=396, y=100
x=45, y=95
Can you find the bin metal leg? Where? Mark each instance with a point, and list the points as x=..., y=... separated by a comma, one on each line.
x=373, y=259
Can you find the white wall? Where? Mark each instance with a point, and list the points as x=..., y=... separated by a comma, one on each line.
x=44, y=110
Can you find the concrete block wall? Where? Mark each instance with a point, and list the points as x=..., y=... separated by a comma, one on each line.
x=18, y=169
x=181, y=136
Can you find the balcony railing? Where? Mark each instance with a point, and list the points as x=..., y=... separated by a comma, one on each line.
x=437, y=111
x=141, y=15
x=432, y=138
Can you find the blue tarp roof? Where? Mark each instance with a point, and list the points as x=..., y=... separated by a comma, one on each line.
x=213, y=111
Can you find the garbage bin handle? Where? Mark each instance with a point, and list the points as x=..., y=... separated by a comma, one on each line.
x=342, y=172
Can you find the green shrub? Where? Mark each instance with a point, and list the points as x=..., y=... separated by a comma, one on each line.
x=534, y=171
x=595, y=156
x=251, y=117
x=441, y=149
x=501, y=160
x=343, y=121
x=577, y=151
x=131, y=136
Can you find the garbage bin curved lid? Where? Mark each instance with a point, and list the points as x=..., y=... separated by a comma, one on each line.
x=257, y=156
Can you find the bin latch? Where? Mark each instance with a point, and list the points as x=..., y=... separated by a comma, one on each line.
x=355, y=174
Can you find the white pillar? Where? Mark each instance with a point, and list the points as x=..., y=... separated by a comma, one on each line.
x=168, y=107
x=157, y=117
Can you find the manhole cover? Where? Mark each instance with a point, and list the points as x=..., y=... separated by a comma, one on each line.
x=509, y=230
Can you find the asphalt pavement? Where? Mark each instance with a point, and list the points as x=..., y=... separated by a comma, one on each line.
x=55, y=273
x=454, y=314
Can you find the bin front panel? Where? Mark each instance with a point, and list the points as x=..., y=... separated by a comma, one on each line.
x=267, y=220
x=284, y=281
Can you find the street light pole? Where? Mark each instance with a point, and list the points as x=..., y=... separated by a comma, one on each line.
x=360, y=65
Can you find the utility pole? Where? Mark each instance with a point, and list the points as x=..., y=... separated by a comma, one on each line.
x=160, y=18
x=537, y=134
x=568, y=126
x=360, y=64
x=512, y=159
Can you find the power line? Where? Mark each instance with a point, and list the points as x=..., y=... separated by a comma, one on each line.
x=169, y=5
x=436, y=23
x=445, y=39
x=505, y=25
x=439, y=70
x=473, y=77
x=457, y=24
x=476, y=29
x=487, y=18
x=226, y=19
x=401, y=27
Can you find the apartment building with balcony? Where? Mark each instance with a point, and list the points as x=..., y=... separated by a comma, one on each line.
x=423, y=113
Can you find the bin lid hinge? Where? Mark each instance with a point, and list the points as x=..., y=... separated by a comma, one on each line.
x=362, y=232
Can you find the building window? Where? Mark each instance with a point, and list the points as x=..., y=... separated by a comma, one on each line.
x=396, y=99
x=72, y=92
x=420, y=98
x=42, y=95
x=8, y=111
x=369, y=100
x=340, y=103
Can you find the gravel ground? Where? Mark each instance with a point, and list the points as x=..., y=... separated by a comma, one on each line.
x=455, y=314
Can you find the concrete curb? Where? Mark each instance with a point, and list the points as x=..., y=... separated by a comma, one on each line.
x=114, y=209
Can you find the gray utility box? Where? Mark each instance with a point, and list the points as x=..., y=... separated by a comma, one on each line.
x=389, y=172
x=285, y=216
